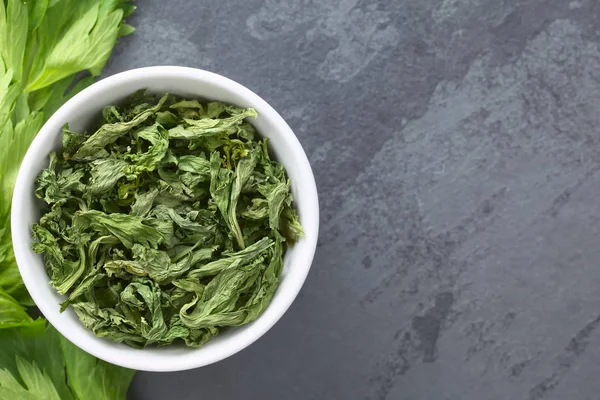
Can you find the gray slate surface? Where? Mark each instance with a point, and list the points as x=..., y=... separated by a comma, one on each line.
x=455, y=147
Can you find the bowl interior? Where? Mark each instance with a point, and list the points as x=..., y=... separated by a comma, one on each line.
x=80, y=113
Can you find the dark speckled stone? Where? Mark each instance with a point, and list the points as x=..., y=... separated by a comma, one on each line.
x=456, y=149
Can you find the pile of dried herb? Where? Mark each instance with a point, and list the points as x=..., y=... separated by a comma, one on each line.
x=169, y=222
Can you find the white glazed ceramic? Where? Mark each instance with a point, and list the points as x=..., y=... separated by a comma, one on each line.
x=79, y=112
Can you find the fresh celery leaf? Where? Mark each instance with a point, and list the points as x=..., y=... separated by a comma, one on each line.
x=14, y=27
x=37, y=361
x=43, y=44
x=17, y=142
x=125, y=30
x=9, y=92
x=37, y=12
x=40, y=346
x=92, y=379
x=38, y=383
x=49, y=99
x=86, y=43
x=13, y=145
x=13, y=314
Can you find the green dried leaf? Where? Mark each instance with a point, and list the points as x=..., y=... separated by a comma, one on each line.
x=105, y=174
x=129, y=229
x=169, y=223
x=93, y=147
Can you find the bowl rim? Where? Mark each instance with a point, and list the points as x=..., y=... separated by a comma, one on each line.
x=144, y=360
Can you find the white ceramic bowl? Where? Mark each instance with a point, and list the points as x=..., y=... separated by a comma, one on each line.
x=79, y=112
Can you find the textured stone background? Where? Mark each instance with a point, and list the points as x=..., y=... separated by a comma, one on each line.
x=456, y=149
